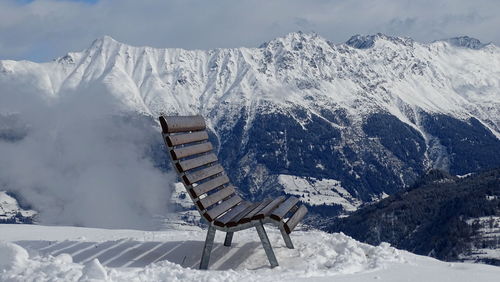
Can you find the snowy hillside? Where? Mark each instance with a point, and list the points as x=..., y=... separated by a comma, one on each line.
x=369, y=73
x=58, y=253
x=362, y=119
x=316, y=192
x=11, y=212
x=486, y=240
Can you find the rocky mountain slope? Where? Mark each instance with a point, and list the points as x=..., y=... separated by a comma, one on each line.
x=366, y=117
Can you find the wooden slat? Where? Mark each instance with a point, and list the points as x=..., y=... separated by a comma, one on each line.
x=179, y=139
x=284, y=208
x=170, y=124
x=249, y=216
x=235, y=220
x=223, y=220
x=269, y=208
x=192, y=177
x=209, y=185
x=214, y=212
x=295, y=219
x=187, y=151
x=185, y=165
x=215, y=197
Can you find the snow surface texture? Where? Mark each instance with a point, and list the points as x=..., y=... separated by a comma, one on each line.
x=51, y=254
x=61, y=118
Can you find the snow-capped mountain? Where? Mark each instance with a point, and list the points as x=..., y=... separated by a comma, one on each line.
x=367, y=116
x=466, y=41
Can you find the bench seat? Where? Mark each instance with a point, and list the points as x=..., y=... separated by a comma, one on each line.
x=216, y=199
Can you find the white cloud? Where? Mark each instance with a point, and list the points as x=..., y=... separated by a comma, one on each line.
x=81, y=160
x=45, y=29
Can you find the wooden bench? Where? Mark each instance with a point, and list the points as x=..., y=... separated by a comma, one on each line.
x=212, y=193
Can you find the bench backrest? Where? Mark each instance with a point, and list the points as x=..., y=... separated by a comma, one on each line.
x=197, y=166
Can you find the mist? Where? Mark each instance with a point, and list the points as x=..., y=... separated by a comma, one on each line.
x=83, y=159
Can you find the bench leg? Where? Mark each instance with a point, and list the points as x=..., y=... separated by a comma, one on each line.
x=286, y=237
x=229, y=239
x=266, y=244
x=207, y=249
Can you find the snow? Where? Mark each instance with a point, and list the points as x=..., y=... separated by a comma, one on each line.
x=388, y=73
x=465, y=41
x=9, y=207
x=486, y=239
x=12, y=255
x=465, y=175
x=318, y=192
x=94, y=271
x=58, y=253
x=180, y=196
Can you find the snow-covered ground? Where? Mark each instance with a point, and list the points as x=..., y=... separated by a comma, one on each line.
x=58, y=253
x=316, y=192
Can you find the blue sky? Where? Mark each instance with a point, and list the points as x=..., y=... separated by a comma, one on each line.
x=41, y=30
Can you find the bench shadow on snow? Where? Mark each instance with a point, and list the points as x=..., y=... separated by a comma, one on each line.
x=129, y=253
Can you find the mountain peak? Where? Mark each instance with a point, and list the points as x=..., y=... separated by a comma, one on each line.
x=107, y=39
x=295, y=40
x=465, y=41
x=300, y=35
x=367, y=41
x=104, y=41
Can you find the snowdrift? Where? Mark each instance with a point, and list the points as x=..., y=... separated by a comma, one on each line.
x=43, y=253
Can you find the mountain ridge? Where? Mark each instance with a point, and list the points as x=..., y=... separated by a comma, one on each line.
x=370, y=120
x=111, y=53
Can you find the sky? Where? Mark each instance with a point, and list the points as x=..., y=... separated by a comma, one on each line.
x=41, y=30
